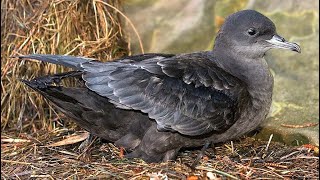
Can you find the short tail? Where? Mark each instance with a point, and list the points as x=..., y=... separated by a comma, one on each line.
x=68, y=61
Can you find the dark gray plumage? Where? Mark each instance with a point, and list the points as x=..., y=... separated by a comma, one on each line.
x=155, y=104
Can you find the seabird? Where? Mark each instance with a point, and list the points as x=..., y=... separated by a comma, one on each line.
x=155, y=104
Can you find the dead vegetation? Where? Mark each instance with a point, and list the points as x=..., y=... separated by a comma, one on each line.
x=33, y=136
x=88, y=28
x=24, y=156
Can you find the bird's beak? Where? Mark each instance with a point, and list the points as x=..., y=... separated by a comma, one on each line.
x=279, y=42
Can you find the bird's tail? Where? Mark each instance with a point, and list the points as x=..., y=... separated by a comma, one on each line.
x=49, y=80
x=68, y=61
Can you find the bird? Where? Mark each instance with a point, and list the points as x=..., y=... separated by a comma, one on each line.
x=155, y=104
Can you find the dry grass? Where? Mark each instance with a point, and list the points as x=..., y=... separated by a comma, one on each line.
x=246, y=159
x=88, y=28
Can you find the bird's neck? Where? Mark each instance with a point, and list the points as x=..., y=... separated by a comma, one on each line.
x=254, y=73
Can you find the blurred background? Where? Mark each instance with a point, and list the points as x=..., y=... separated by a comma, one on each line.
x=110, y=29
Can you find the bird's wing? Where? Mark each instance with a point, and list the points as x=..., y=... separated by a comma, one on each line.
x=141, y=57
x=189, y=94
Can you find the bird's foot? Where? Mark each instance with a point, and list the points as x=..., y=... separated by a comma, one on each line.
x=200, y=155
x=86, y=143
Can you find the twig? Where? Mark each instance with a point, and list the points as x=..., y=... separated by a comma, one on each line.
x=15, y=162
x=299, y=125
x=270, y=138
x=217, y=171
x=276, y=165
x=286, y=156
x=232, y=148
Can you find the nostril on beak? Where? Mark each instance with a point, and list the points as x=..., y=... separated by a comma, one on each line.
x=279, y=38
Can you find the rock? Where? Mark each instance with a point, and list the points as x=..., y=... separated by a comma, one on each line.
x=182, y=26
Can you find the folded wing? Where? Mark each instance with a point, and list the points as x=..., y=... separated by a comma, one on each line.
x=188, y=94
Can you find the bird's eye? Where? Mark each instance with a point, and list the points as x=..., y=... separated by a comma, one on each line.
x=252, y=31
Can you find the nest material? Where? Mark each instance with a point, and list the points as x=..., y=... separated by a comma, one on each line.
x=88, y=28
x=24, y=156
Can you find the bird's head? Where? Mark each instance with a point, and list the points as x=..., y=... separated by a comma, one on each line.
x=252, y=34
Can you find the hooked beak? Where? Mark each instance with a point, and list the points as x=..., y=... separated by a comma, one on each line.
x=279, y=42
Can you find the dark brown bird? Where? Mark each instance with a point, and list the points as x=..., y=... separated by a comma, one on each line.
x=155, y=104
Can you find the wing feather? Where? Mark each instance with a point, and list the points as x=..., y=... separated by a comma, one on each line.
x=189, y=94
